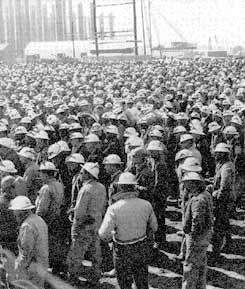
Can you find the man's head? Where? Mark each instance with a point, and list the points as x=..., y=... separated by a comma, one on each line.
x=112, y=164
x=90, y=171
x=186, y=141
x=222, y=152
x=22, y=207
x=8, y=186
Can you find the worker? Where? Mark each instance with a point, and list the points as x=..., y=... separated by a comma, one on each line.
x=48, y=206
x=197, y=226
x=32, y=242
x=223, y=198
x=88, y=212
x=131, y=250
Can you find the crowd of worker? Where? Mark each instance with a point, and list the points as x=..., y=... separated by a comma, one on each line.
x=91, y=154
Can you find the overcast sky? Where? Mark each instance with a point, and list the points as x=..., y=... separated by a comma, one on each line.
x=195, y=20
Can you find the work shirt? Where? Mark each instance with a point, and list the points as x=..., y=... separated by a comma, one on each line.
x=128, y=219
x=198, y=216
x=90, y=207
x=33, y=248
x=49, y=201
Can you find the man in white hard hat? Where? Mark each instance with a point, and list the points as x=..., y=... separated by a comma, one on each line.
x=197, y=226
x=113, y=167
x=42, y=142
x=76, y=142
x=31, y=175
x=161, y=189
x=8, y=224
x=7, y=152
x=49, y=202
x=88, y=212
x=74, y=162
x=223, y=196
x=187, y=142
x=131, y=250
x=32, y=241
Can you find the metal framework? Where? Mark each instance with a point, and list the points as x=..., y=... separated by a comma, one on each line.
x=134, y=30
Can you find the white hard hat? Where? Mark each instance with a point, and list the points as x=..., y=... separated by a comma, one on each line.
x=155, y=133
x=197, y=131
x=3, y=127
x=222, y=148
x=64, y=126
x=213, y=126
x=111, y=129
x=179, y=129
x=191, y=164
x=182, y=116
x=28, y=153
x=49, y=128
x=183, y=154
x=155, y=145
x=192, y=176
x=25, y=120
x=21, y=203
x=112, y=159
x=63, y=146
x=47, y=166
x=92, y=168
x=7, y=142
x=76, y=135
x=20, y=130
x=7, y=166
x=130, y=131
x=228, y=113
x=127, y=179
x=185, y=137
x=96, y=127
x=54, y=150
x=75, y=158
x=42, y=135
x=230, y=130
x=75, y=125
x=236, y=119
x=135, y=141
x=91, y=138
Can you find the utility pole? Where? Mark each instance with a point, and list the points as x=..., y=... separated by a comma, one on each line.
x=95, y=29
x=143, y=26
x=72, y=39
x=150, y=29
x=135, y=29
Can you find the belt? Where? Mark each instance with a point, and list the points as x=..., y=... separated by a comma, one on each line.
x=131, y=242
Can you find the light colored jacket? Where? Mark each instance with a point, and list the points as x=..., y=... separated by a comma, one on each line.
x=128, y=219
x=33, y=248
x=49, y=201
x=90, y=208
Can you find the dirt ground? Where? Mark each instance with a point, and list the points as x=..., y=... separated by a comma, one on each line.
x=165, y=273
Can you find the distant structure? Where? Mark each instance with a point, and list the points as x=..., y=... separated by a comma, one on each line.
x=24, y=21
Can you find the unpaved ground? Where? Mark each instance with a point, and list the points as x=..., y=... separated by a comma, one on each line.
x=165, y=273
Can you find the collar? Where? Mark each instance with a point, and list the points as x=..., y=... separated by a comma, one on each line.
x=125, y=195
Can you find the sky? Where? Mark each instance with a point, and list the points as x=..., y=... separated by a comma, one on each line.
x=193, y=20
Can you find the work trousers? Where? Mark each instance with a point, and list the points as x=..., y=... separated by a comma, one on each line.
x=222, y=232
x=131, y=264
x=86, y=242
x=195, y=264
